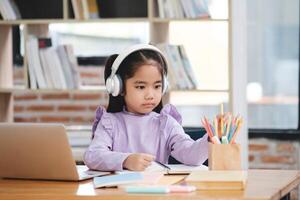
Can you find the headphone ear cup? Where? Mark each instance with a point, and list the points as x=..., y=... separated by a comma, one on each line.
x=108, y=85
x=117, y=85
x=165, y=84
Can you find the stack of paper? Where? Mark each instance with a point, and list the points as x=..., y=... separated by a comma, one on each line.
x=128, y=178
x=153, y=175
x=185, y=169
x=218, y=180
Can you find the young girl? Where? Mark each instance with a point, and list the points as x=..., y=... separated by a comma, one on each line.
x=136, y=129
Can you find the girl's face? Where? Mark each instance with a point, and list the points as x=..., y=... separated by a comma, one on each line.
x=143, y=91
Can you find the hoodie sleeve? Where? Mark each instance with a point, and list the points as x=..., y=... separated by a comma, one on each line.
x=99, y=155
x=180, y=144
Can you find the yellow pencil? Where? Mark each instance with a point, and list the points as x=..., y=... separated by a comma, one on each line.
x=222, y=109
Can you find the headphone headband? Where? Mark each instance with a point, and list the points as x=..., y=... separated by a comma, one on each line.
x=116, y=64
x=114, y=82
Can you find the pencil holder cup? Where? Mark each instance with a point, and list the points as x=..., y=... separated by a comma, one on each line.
x=224, y=156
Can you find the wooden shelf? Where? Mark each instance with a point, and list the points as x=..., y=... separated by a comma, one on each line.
x=105, y=20
x=81, y=90
x=64, y=21
x=160, y=20
x=200, y=90
x=4, y=91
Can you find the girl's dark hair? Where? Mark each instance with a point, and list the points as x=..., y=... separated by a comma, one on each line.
x=127, y=69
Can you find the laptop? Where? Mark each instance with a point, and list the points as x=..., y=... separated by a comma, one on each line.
x=39, y=151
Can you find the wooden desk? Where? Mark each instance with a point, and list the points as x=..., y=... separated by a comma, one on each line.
x=262, y=184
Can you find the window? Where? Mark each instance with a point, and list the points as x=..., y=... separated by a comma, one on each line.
x=207, y=46
x=100, y=39
x=273, y=64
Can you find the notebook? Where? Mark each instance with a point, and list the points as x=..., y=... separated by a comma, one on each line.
x=218, y=180
x=118, y=179
x=39, y=151
x=129, y=179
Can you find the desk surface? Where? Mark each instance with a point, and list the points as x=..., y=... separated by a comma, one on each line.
x=262, y=184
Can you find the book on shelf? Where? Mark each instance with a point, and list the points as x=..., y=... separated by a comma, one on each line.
x=69, y=69
x=44, y=42
x=181, y=74
x=51, y=67
x=200, y=8
x=177, y=64
x=177, y=7
x=169, y=9
x=187, y=66
x=46, y=68
x=74, y=65
x=36, y=73
x=218, y=180
x=183, y=9
x=93, y=12
x=122, y=8
x=36, y=9
x=92, y=9
x=9, y=10
x=57, y=68
x=85, y=9
x=173, y=83
x=78, y=11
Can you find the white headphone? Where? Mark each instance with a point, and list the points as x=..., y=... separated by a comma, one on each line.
x=114, y=84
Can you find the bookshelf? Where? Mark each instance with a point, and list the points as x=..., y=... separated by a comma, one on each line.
x=159, y=33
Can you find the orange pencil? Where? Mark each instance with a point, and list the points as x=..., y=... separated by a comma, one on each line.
x=206, y=128
x=219, y=122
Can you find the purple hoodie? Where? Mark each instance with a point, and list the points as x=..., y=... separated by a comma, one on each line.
x=117, y=135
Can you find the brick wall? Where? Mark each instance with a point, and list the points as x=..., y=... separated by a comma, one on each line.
x=67, y=107
x=275, y=154
x=74, y=107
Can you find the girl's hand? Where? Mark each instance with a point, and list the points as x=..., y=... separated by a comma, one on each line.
x=138, y=161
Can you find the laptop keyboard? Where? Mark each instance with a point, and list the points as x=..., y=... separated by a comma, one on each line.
x=85, y=172
x=82, y=171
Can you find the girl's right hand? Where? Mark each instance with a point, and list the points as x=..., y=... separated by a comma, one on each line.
x=138, y=161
